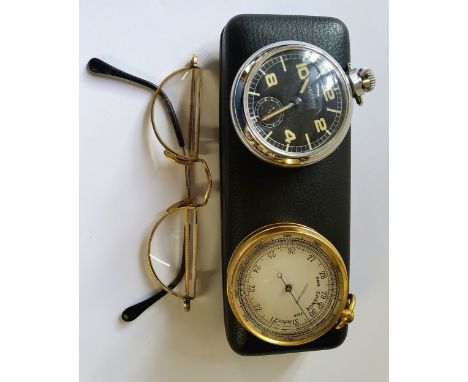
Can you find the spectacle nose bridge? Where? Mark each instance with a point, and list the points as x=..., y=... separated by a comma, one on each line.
x=188, y=162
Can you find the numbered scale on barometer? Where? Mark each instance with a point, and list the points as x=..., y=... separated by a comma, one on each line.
x=291, y=102
x=288, y=285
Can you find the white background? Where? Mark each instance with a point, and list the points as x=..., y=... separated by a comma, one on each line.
x=125, y=183
x=39, y=192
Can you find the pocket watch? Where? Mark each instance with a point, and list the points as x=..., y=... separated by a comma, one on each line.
x=291, y=102
x=288, y=285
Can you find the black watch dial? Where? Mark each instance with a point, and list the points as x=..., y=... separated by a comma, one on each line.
x=296, y=101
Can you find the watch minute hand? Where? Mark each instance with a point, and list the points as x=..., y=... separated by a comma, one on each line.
x=276, y=112
x=304, y=85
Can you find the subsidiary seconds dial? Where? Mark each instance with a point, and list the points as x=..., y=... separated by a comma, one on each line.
x=291, y=102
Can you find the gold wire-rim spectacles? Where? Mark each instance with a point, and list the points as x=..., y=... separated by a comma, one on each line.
x=189, y=158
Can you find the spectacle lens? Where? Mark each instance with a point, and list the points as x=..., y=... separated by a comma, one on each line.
x=172, y=251
x=177, y=128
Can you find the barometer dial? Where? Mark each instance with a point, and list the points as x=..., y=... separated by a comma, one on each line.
x=287, y=284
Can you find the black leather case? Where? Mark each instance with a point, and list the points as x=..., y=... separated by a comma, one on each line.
x=255, y=193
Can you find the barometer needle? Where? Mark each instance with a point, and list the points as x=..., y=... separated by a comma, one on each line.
x=288, y=289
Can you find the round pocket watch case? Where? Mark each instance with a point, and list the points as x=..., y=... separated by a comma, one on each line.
x=291, y=102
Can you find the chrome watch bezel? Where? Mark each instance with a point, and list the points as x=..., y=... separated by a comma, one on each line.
x=248, y=133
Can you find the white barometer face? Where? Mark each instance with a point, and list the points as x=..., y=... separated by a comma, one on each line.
x=287, y=284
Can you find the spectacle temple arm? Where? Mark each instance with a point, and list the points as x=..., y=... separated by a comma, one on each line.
x=98, y=66
x=132, y=312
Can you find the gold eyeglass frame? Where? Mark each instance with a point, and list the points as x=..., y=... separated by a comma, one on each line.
x=189, y=159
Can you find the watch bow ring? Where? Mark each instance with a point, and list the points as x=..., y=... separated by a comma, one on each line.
x=291, y=102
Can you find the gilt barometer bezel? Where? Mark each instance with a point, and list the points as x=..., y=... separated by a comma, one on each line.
x=242, y=257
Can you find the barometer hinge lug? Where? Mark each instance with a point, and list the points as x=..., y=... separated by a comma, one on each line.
x=348, y=312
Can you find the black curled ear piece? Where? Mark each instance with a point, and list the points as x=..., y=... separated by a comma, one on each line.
x=132, y=312
x=101, y=67
x=98, y=66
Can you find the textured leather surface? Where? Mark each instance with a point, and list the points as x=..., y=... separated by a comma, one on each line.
x=255, y=193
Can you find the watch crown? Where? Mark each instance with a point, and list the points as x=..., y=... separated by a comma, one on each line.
x=368, y=79
x=362, y=81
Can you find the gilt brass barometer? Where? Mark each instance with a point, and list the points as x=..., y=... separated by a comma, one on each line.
x=288, y=285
